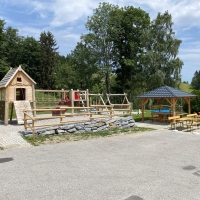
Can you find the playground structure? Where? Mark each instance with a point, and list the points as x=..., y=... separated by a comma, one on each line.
x=16, y=86
x=18, y=89
x=82, y=98
x=59, y=98
x=120, y=103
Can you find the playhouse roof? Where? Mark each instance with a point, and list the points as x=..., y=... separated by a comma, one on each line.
x=165, y=92
x=9, y=76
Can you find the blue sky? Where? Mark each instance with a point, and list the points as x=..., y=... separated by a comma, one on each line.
x=66, y=21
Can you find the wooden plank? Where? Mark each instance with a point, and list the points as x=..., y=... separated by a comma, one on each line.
x=48, y=117
x=105, y=116
x=2, y=110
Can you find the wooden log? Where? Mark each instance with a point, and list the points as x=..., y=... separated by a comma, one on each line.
x=82, y=120
x=102, y=106
x=52, y=90
x=125, y=109
x=102, y=116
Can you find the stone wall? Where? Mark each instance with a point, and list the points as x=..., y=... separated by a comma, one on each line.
x=88, y=126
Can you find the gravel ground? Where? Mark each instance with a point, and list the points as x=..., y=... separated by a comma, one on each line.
x=152, y=165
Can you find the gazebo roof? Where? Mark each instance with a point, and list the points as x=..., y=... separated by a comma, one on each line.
x=166, y=92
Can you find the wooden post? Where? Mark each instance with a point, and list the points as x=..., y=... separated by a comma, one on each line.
x=87, y=99
x=63, y=95
x=11, y=114
x=34, y=102
x=189, y=108
x=6, y=107
x=72, y=99
x=187, y=100
x=144, y=101
x=174, y=101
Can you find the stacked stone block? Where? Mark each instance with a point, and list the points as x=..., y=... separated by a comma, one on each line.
x=88, y=126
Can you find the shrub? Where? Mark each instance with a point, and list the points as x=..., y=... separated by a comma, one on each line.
x=194, y=103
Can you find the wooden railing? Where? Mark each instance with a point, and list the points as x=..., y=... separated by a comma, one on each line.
x=92, y=112
x=124, y=109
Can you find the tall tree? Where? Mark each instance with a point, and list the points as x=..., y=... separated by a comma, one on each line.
x=48, y=47
x=160, y=62
x=31, y=58
x=196, y=80
x=98, y=40
x=13, y=46
x=3, y=59
x=128, y=24
x=84, y=63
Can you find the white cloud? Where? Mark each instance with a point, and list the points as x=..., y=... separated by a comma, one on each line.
x=189, y=54
x=185, y=13
x=66, y=19
x=30, y=32
x=65, y=12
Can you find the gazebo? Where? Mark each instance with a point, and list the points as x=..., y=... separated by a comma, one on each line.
x=166, y=93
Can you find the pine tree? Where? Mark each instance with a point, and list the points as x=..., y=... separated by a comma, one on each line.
x=48, y=47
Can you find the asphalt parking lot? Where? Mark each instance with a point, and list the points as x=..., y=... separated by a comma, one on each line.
x=152, y=165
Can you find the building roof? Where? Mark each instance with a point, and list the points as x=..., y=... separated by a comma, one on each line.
x=9, y=76
x=165, y=92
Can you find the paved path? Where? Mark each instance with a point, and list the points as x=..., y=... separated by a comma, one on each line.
x=10, y=140
x=153, y=165
x=10, y=136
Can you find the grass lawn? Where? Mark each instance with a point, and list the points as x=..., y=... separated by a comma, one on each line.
x=52, y=139
x=138, y=117
x=186, y=87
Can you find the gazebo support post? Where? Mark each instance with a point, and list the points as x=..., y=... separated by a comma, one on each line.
x=6, y=108
x=187, y=100
x=173, y=102
x=144, y=101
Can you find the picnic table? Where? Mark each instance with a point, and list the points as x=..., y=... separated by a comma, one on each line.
x=191, y=120
x=160, y=116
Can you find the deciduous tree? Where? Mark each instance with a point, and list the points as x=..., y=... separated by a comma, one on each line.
x=161, y=63
x=128, y=24
x=99, y=41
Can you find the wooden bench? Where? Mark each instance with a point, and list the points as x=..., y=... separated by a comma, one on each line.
x=154, y=118
x=194, y=122
x=173, y=122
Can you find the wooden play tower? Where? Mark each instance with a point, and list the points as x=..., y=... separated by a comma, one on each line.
x=18, y=89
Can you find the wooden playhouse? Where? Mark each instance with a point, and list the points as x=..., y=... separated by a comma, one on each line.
x=16, y=87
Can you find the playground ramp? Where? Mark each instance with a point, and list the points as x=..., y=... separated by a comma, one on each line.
x=20, y=106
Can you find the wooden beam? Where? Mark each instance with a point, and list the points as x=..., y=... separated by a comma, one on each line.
x=11, y=114
x=33, y=98
x=144, y=101
x=174, y=101
x=169, y=101
x=6, y=107
x=187, y=100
